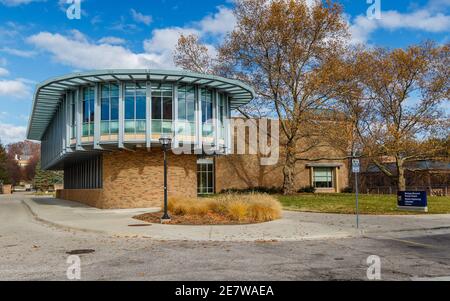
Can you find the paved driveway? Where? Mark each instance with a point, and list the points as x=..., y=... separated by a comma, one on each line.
x=31, y=250
x=294, y=226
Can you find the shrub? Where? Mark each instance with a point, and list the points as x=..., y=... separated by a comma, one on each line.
x=307, y=189
x=267, y=190
x=237, y=207
x=347, y=190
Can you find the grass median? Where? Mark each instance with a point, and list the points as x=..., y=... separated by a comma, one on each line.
x=368, y=204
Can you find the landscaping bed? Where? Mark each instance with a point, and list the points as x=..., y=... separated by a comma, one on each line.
x=227, y=209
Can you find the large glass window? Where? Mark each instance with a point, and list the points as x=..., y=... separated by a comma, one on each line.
x=110, y=109
x=205, y=176
x=207, y=112
x=88, y=111
x=135, y=108
x=162, y=110
x=186, y=110
x=323, y=177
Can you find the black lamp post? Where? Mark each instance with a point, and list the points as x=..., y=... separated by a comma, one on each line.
x=165, y=143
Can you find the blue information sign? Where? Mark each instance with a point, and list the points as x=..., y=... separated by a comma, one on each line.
x=413, y=200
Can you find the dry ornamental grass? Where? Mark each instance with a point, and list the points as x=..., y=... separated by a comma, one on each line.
x=223, y=209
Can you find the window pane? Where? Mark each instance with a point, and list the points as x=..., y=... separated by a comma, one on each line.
x=156, y=126
x=114, y=90
x=141, y=107
x=190, y=114
x=156, y=107
x=114, y=127
x=140, y=126
x=130, y=127
x=182, y=109
x=91, y=110
x=129, y=108
x=115, y=108
x=105, y=128
x=105, y=91
x=85, y=111
x=167, y=108
x=105, y=109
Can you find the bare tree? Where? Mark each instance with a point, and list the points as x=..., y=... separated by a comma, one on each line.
x=395, y=105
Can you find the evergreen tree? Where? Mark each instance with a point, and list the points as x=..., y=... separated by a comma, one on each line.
x=46, y=178
x=4, y=175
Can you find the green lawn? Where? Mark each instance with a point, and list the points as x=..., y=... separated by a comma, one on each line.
x=345, y=204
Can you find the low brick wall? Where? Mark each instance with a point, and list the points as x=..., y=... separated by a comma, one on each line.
x=93, y=198
x=6, y=189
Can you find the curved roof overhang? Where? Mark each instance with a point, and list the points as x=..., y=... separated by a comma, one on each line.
x=49, y=93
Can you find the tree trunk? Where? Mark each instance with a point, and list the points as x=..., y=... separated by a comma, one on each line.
x=401, y=181
x=289, y=170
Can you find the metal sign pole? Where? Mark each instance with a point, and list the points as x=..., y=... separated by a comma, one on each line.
x=357, y=201
x=356, y=168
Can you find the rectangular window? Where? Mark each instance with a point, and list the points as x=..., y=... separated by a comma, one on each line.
x=88, y=111
x=162, y=108
x=205, y=176
x=135, y=107
x=323, y=177
x=109, y=109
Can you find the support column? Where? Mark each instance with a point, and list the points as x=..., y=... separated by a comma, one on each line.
x=79, y=117
x=216, y=119
x=198, y=121
x=336, y=181
x=148, y=114
x=175, y=113
x=121, y=116
x=97, y=117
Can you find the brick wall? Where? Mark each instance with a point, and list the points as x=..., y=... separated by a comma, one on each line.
x=136, y=180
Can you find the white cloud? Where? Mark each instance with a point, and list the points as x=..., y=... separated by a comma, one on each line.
x=219, y=23
x=87, y=55
x=3, y=72
x=112, y=41
x=10, y=133
x=141, y=18
x=426, y=19
x=17, y=88
x=18, y=2
x=76, y=50
x=18, y=52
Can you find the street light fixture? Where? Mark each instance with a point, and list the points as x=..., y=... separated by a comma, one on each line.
x=165, y=143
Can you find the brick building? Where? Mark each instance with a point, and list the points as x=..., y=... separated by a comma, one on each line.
x=103, y=129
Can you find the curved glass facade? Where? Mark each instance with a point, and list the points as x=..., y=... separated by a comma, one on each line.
x=83, y=113
x=143, y=111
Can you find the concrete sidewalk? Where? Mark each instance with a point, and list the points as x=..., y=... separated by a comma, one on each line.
x=294, y=226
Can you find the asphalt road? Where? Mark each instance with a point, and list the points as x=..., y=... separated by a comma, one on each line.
x=30, y=250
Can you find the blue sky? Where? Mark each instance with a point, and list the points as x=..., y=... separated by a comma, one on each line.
x=38, y=41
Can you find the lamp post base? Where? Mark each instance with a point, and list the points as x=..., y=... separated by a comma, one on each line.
x=165, y=219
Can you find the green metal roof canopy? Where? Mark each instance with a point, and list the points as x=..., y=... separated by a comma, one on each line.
x=49, y=93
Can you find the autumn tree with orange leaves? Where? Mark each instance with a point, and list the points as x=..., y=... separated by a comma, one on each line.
x=283, y=48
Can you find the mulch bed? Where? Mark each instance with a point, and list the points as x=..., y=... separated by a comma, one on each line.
x=192, y=220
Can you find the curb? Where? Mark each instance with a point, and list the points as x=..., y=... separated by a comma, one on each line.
x=56, y=225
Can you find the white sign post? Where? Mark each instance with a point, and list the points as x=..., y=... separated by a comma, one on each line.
x=356, y=168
